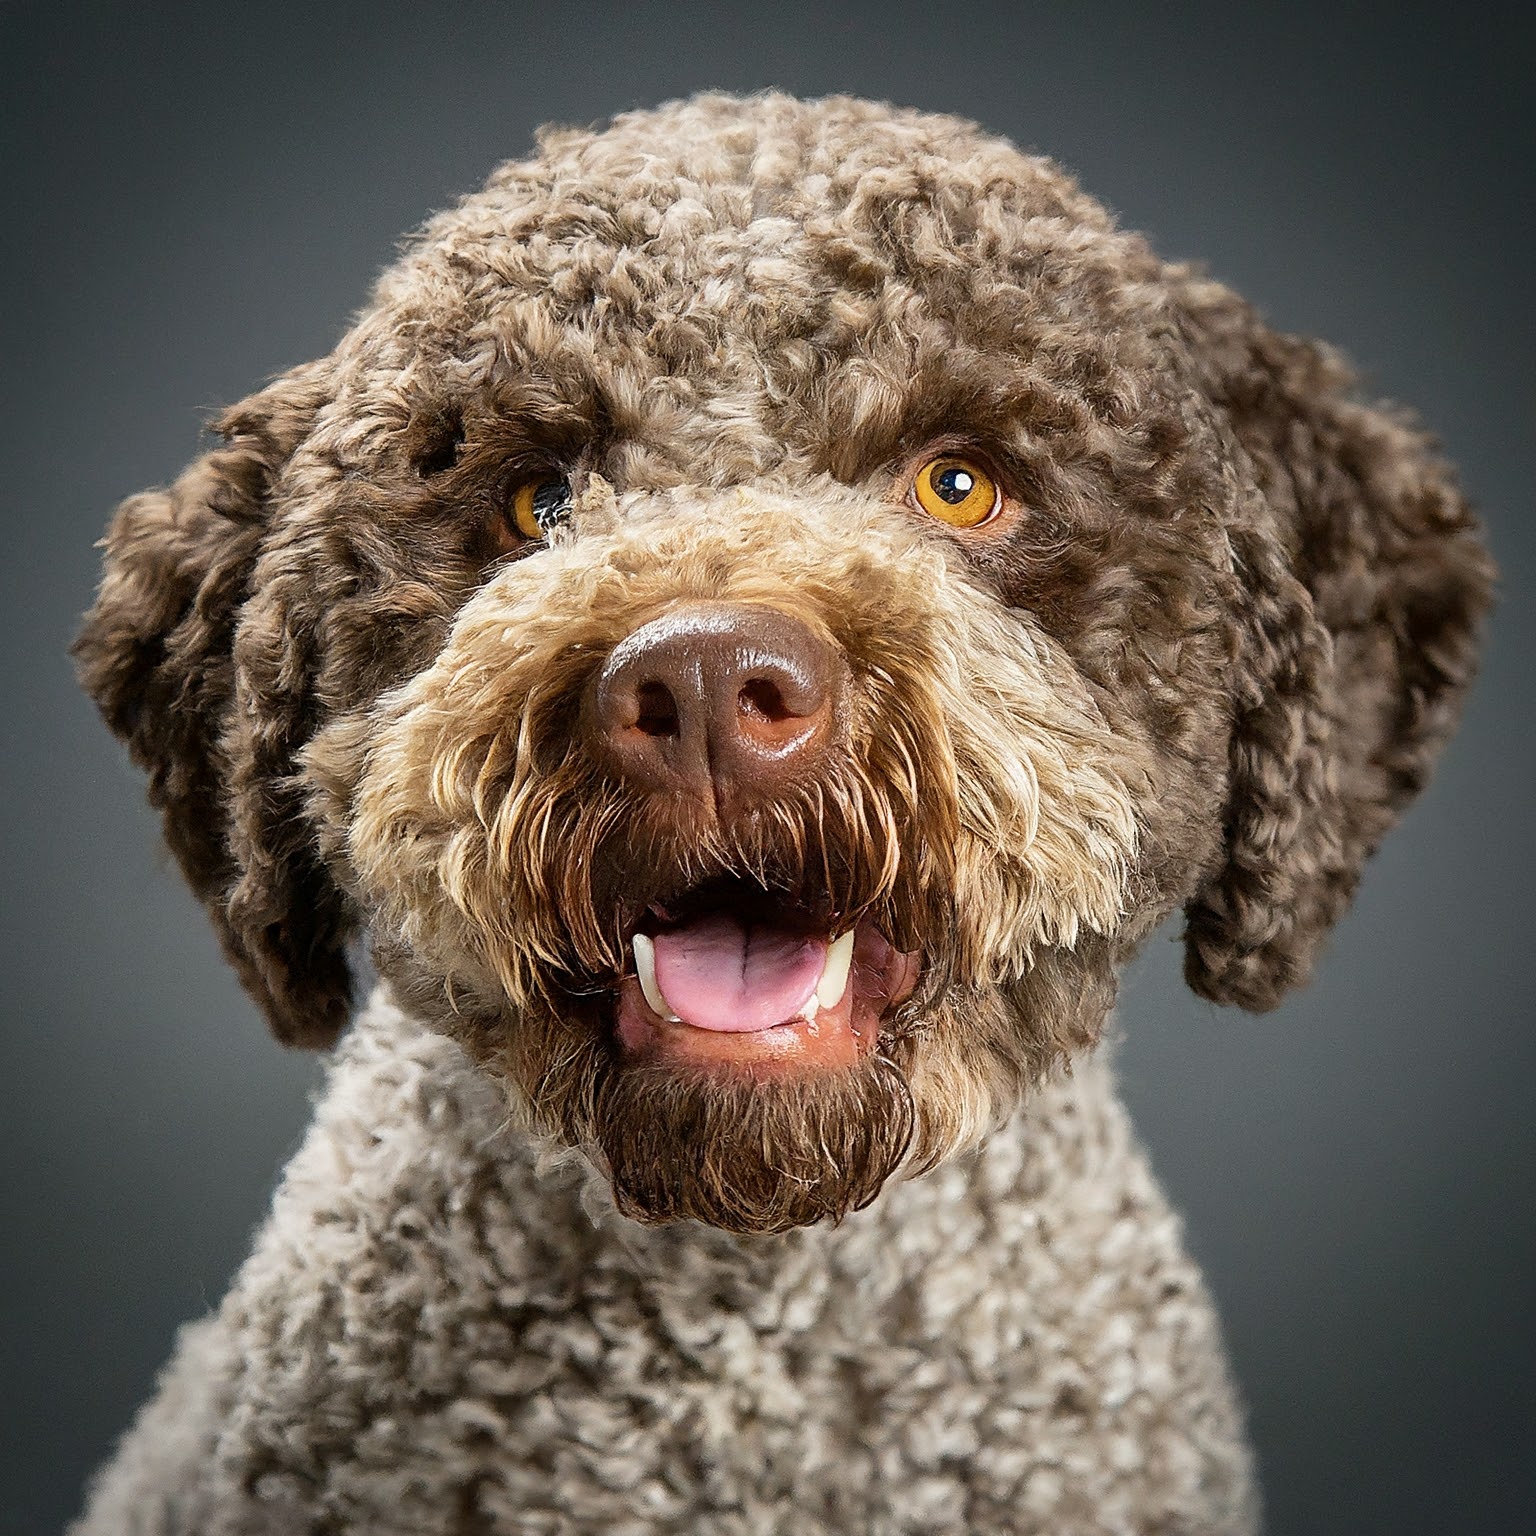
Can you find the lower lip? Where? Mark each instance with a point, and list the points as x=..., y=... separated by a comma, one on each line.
x=829, y=1040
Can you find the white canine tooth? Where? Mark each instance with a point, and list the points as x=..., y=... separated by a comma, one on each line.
x=645, y=969
x=834, y=974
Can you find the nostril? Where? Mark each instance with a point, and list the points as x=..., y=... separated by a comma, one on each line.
x=778, y=715
x=656, y=710
x=761, y=698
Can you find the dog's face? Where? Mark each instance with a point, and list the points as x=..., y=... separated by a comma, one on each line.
x=768, y=607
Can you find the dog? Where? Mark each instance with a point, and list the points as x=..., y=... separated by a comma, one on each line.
x=764, y=612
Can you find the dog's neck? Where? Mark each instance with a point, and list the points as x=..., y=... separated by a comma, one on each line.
x=996, y=1307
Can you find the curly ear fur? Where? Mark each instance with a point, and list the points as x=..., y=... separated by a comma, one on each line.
x=1366, y=584
x=157, y=653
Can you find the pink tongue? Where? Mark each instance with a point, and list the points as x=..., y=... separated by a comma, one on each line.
x=718, y=974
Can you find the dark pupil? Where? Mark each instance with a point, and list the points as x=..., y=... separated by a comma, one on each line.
x=954, y=484
x=551, y=504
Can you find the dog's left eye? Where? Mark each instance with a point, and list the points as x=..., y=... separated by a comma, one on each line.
x=540, y=506
x=955, y=490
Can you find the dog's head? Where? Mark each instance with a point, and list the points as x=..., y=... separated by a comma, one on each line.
x=766, y=609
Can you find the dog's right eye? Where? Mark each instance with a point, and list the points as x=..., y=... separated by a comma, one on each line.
x=540, y=506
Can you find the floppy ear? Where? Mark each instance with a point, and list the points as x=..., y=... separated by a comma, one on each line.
x=156, y=652
x=1364, y=584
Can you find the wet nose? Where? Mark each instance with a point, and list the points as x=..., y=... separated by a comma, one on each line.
x=726, y=700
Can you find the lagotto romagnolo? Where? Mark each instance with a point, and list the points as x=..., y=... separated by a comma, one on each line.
x=765, y=610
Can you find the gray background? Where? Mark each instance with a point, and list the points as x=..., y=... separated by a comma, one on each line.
x=194, y=200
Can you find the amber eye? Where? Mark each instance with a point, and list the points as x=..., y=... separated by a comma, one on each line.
x=540, y=506
x=956, y=491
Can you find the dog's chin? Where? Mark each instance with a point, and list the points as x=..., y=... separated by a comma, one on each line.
x=752, y=1152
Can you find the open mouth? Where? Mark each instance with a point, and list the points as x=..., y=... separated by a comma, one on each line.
x=731, y=974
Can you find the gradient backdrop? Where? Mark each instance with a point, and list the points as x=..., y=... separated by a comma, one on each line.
x=195, y=199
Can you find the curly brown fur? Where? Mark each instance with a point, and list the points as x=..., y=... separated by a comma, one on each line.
x=1367, y=586
x=1203, y=658
x=156, y=655
x=1231, y=585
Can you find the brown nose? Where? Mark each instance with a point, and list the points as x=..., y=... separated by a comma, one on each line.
x=719, y=700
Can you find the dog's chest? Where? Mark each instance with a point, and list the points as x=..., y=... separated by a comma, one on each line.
x=439, y=1333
